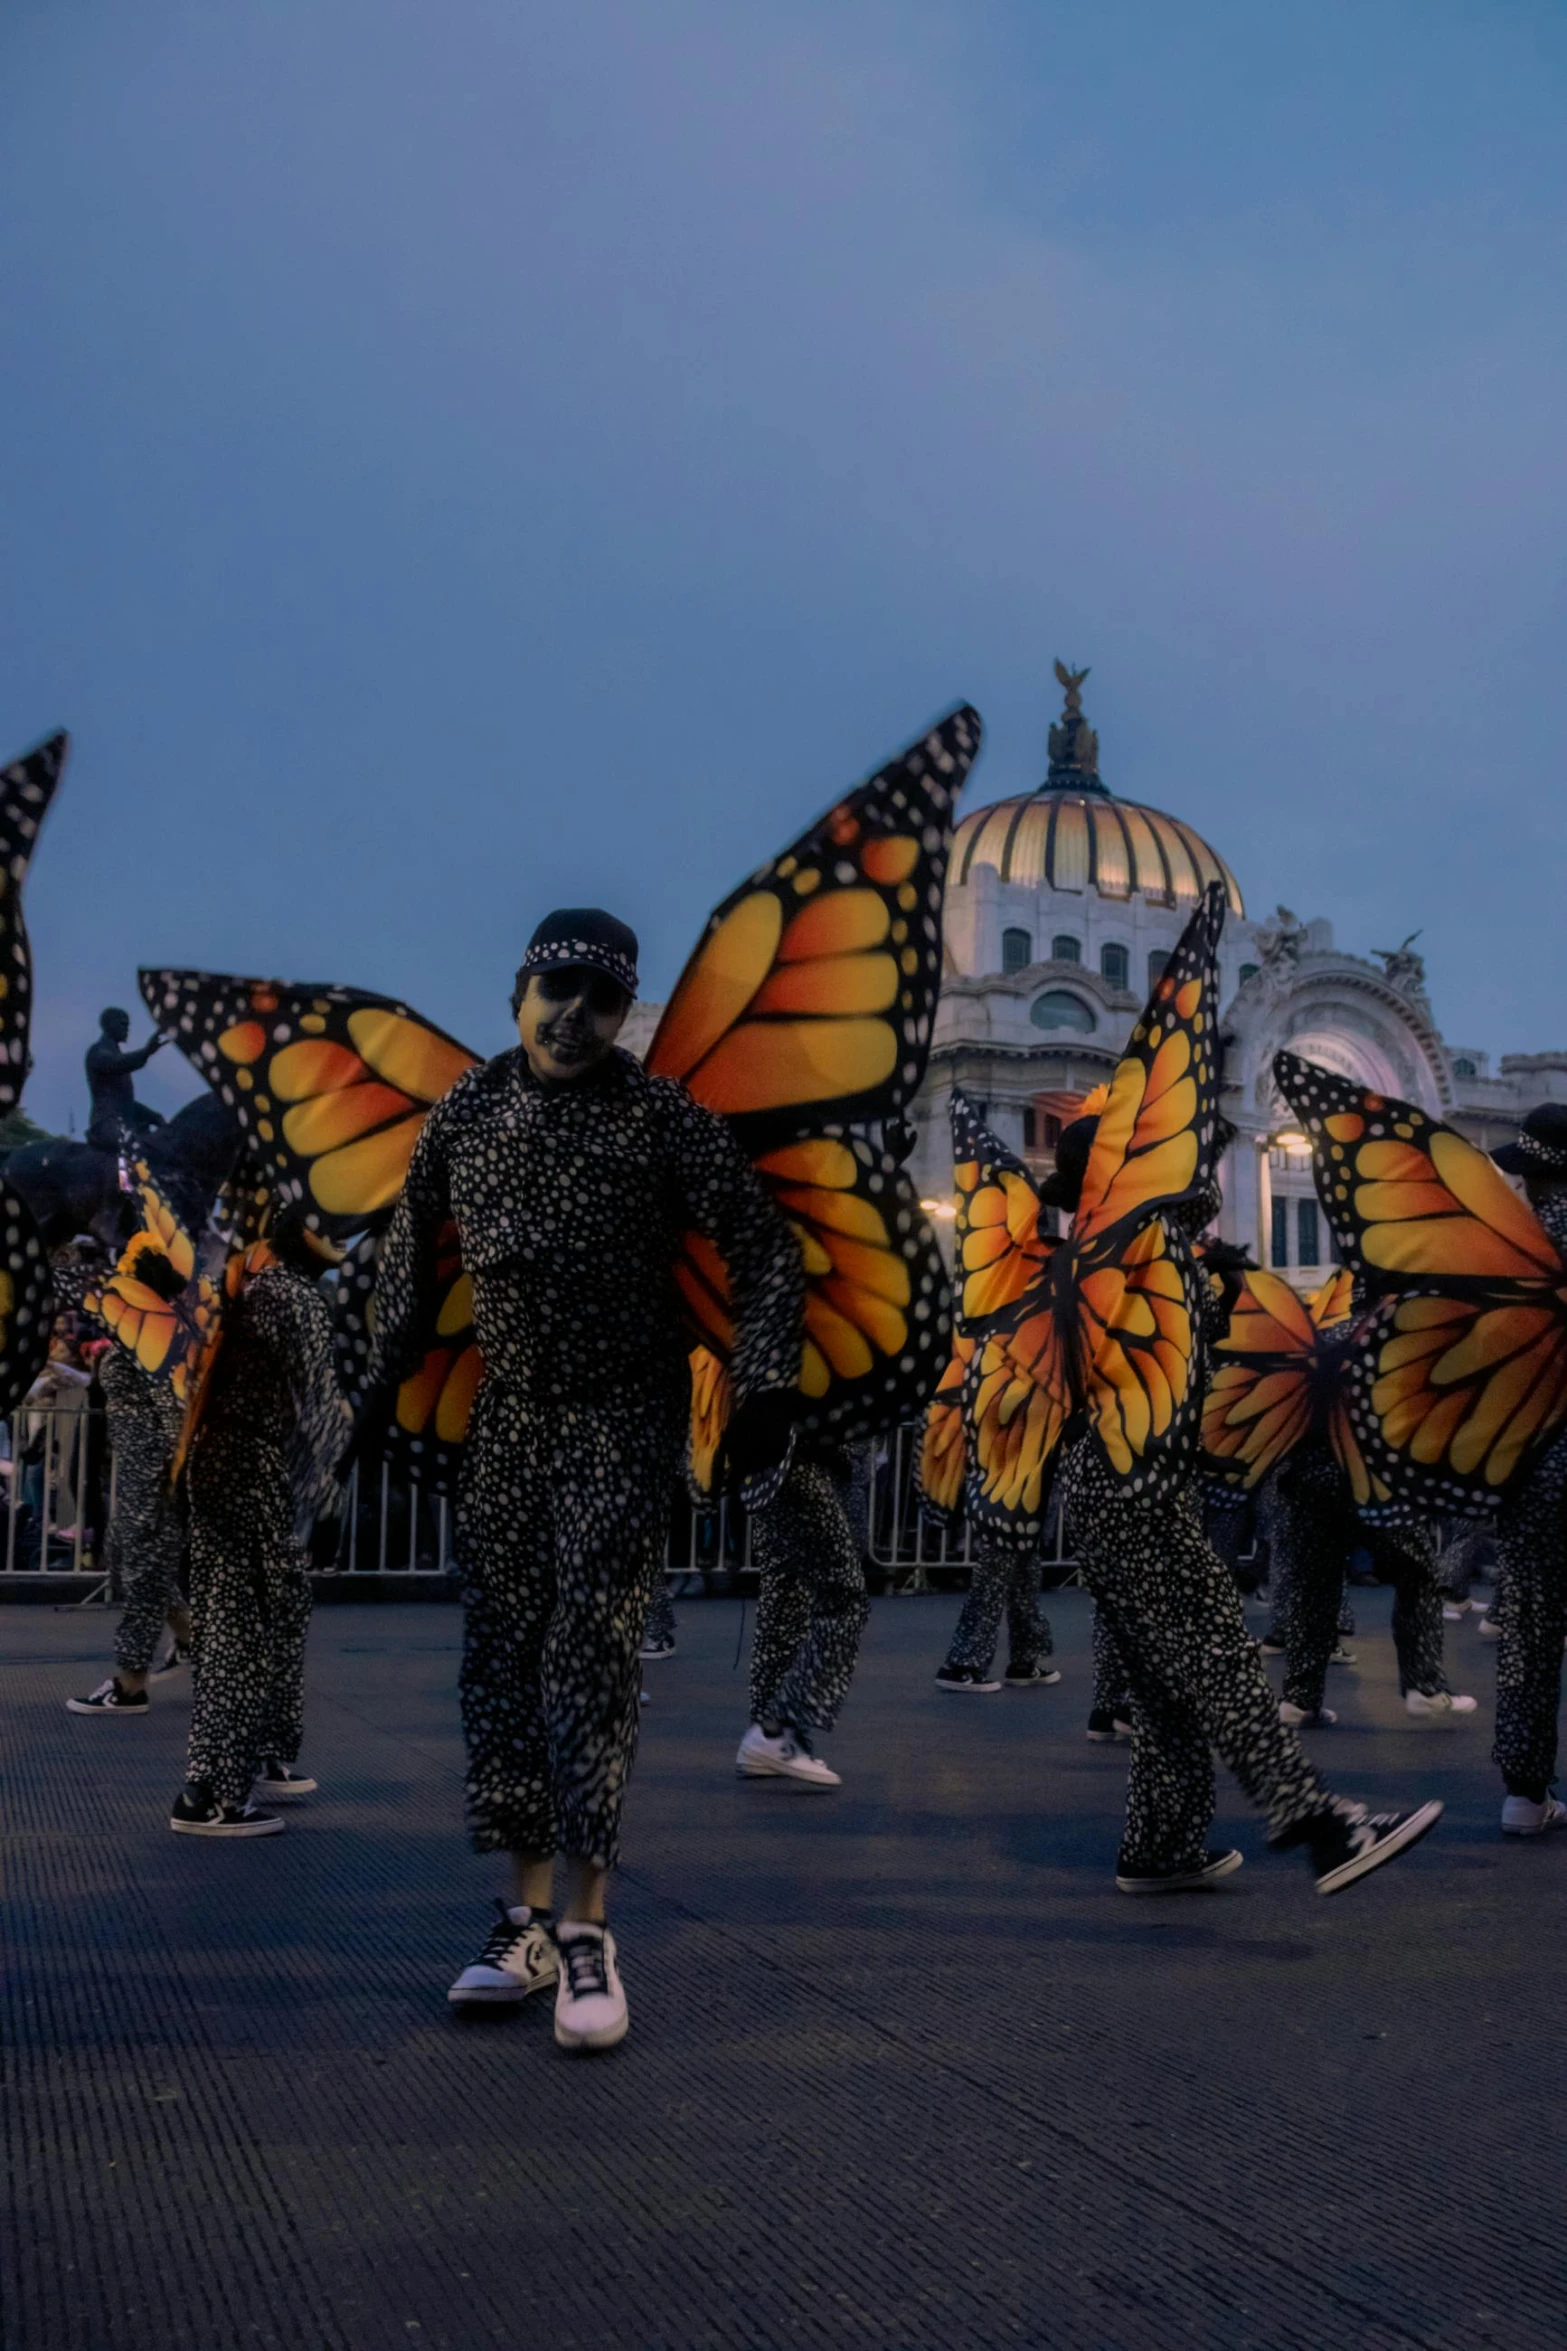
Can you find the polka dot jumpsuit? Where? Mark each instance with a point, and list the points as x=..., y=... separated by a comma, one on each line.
x=147, y=1530
x=570, y=1204
x=262, y=1466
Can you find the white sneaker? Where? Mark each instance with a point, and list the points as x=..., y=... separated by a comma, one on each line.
x=590, y=2002
x=1522, y=1817
x=1437, y=1702
x=1305, y=1717
x=1488, y=1629
x=518, y=1958
x=1454, y=1611
x=785, y=1758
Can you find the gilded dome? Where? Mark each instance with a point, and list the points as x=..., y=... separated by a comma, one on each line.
x=1073, y=834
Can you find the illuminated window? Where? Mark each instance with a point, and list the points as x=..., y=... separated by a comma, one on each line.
x=1017, y=950
x=1115, y=966
x=1065, y=949
x=1280, y=1253
x=1057, y=1008
x=1157, y=960
x=1309, y=1251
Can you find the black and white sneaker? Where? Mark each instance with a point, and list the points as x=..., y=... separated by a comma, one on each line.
x=281, y=1784
x=1354, y=1841
x=651, y=1650
x=519, y=1958
x=590, y=2000
x=197, y=1813
x=109, y=1698
x=1032, y=1677
x=1272, y=1644
x=968, y=1679
x=1105, y=1727
x=1213, y=1866
x=177, y=1661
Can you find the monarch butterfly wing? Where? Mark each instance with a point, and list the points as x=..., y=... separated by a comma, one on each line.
x=943, y=1454
x=1334, y=1301
x=1452, y=1393
x=810, y=997
x=1157, y=1136
x=1017, y=1397
x=712, y=1399
x=26, y=788
x=330, y=1085
x=1138, y=1327
x=165, y=1335
x=1409, y=1200
x=27, y=1300
x=429, y=1424
x=997, y=1246
x=1259, y=1403
x=877, y=1320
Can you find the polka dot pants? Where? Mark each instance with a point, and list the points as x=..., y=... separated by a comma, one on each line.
x=250, y=1610
x=1531, y=1609
x=560, y=1530
x=811, y=1605
x=1004, y=1579
x=1196, y=1681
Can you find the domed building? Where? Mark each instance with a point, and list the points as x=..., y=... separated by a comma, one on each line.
x=1063, y=905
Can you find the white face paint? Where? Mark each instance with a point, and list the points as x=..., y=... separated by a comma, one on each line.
x=568, y=1021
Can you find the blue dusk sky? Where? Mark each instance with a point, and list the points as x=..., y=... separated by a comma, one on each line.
x=462, y=456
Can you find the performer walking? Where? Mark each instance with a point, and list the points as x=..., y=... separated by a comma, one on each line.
x=1463, y=1399
x=572, y=1176
x=263, y=1466
x=1005, y=1582
x=811, y=1608
x=1106, y=1330
x=147, y=1529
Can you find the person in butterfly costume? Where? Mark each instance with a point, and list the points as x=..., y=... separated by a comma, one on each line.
x=1459, y=1403
x=1277, y=1408
x=572, y=1176
x=1097, y=1345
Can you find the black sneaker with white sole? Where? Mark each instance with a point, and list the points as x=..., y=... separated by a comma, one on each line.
x=518, y=1958
x=109, y=1698
x=1207, y=1872
x=1349, y=1841
x=197, y=1813
x=1032, y=1677
x=1105, y=1727
x=177, y=1661
x=968, y=1679
x=281, y=1784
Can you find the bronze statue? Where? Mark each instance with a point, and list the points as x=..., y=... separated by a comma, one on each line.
x=116, y=1116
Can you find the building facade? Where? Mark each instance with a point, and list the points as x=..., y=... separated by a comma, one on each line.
x=1062, y=906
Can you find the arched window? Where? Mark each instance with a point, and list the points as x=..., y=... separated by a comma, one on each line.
x=1017, y=950
x=1249, y=971
x=1058, y=1008
x=1115, y=966
x=1065, y=949
x=1157, y=959
x=1463, y=1067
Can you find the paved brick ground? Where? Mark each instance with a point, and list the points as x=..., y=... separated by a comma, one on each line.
x=904, y=2071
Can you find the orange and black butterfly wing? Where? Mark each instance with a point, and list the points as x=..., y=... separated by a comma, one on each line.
x=1410, y=1201
x=943, y=1455
x=877, y=1317
x=331, y=1085
x=27, y=1301
x=1157, y=1139
x=1261, y=1399
x=430, y=1420
x=1463, y=1374
x=997, y=1245
x=810, y=997
x=26, y=788
x=167, y=1336
x=1019, y=1393
x=1138, y=1329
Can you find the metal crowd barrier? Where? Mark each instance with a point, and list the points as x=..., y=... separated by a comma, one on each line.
x=57, y=1475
